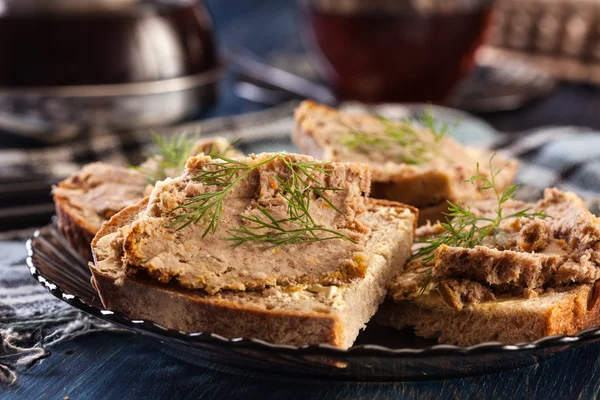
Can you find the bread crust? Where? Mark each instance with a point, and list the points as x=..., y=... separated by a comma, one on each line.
x=195, y=311
x=76, y=230
x=512, y=321
x=395, y=204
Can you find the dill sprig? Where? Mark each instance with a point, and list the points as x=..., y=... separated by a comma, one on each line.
x=413, y=146
x=462, y=228
x=363, y=141
x=171, y=155
x=207, y=208
x=274, y=234
x=231, y=146
x=297, y=227
x=437, y=128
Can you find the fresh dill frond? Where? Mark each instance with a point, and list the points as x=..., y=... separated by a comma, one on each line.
x=439, y=129
x=413, y=146
x=364, y=142
x=176, y=150
x=171, y=155
x=271, y=232
x=207, y=208
x=462, y=228
x=233, y=143
x=297, y=227
x=427, y=280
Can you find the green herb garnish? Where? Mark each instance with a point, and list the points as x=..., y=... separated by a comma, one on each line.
x=437, y=128
x=413, y=146
x=297, y=227
x=231, y=146
x=464, y=229
x=171, y=155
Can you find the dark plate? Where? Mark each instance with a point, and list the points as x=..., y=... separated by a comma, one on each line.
x=379, y=353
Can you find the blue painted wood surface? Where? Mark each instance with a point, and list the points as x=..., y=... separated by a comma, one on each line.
x=123, y=365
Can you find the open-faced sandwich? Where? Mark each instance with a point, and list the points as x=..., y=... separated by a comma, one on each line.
x=501, y=270
x=413, y=162
x=88, y=198
x=275, y=246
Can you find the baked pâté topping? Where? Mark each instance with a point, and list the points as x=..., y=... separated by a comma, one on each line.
x=100, y=190
x=248, y=224
x=295, y=184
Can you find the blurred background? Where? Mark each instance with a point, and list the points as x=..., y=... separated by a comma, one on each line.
x=78, y=73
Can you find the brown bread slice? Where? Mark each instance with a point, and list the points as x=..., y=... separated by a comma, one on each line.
x=276, y=294
x=539, y=281
x=567, y=311
x=322, y=131
x=295, y=316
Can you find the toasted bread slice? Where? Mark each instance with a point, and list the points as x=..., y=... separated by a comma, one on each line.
x=567, y=311
x=295, y=300
x=534, y=277
x=316, y=314
x=423, y=170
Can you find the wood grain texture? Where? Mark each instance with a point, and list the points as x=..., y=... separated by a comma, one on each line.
x=127, y=366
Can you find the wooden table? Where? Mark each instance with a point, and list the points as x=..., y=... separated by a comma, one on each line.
x=120, y=366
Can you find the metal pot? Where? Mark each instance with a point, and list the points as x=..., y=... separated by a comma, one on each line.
x=68, y=66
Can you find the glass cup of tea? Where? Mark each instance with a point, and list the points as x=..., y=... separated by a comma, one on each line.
x=394, y=50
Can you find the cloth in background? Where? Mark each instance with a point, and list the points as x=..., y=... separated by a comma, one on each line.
x=32, y=320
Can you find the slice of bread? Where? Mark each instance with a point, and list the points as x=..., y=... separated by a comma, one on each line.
x=565, y=311
x=89, y=197
x=293, y=308
x=425, y=179
x=537, y=276
x=316, y=314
